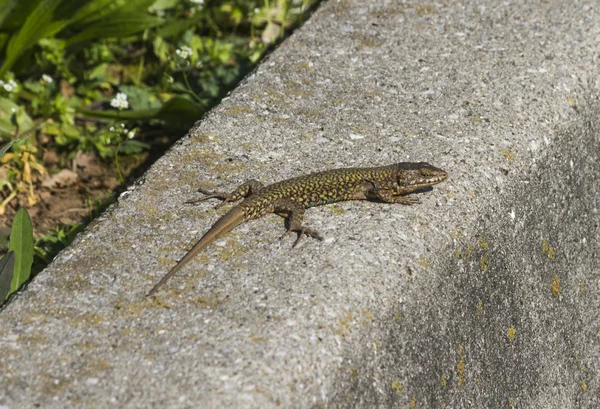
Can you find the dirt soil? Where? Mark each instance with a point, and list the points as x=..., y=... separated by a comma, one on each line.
x=69, y=194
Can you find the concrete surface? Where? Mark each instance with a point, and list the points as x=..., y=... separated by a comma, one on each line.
x=485, y=295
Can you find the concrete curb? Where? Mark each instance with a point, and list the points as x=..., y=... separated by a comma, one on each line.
x=484, y=295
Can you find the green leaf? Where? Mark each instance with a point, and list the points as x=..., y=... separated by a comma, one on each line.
x=21, y=242
x=132, y=146
x=138, y=97
x=120, y=25
x=39, y=24
x=6, y=7
x=161, y=49
x=178, y=112
x=8, y=145
x=104, y=9
x=13, y=115
x=7, y=265
x=17, y=14
x=165, y=4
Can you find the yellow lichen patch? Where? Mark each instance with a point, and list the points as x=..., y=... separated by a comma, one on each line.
x=368, y=314
x=555, y=286
x=238, y=110
x=32, y=340
x=398, y=317
x=482, y=243
x=336, y=210
x=511, y=402
x=255, y=339
x=508, y=154
x=413, y=402
x=203, y=302
x=376, y=345
x=423, y=262
x=397, y=386
x=581, y=287
x=460, y=367
x=479, y=306
x=345, y=324
x=583, y=386
x=202, y=137
x=512, y=333
x=483, y=262
x=353, y=374
x=160, y=301
x=444, y=381
x=468, y=250
x=547, y=249
x=338, y=101
x=86, y=320
x=457, y=254
x=456, y=233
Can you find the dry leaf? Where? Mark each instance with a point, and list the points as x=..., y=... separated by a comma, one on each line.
x=63, y=178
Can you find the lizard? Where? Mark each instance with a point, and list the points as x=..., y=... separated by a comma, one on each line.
x=289, y=198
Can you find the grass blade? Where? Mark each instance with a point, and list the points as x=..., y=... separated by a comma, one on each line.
x=8, y=145
x=38, y=25
x=6, y=7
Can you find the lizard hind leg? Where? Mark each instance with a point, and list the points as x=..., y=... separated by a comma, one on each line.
x=246, y=189
x=295, y=215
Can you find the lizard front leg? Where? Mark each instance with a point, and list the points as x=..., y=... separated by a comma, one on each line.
x=246, y=189
x=295, y=215
x=388, y=196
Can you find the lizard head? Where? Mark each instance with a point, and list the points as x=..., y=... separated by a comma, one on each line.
x=413, y=176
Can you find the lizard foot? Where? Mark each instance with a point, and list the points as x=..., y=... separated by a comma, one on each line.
x=301, y=232
x=211, y=195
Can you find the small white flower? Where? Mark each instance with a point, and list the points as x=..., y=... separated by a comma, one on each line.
x=184, y=52
x=200, y=2
x=256, y=10
x=8, y=86
x=131, y=134
x=47, y=79
x=120, y=101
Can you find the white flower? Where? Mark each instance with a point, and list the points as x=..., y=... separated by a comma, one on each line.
x=131, y=134
x=120, y=101
x=184, y=52
x=200, y=2
x=8, y=86
x=47, y=79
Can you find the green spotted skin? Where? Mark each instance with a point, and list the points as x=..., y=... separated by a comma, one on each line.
x=338, y=185
x=289, y=198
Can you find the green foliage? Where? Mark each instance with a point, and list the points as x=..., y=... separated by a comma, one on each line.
x=7, y=266
x=15, y=266
x=105, y=76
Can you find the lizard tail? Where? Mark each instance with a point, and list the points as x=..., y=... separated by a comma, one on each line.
x=225, y=224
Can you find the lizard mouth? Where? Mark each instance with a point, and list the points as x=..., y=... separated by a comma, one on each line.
x=426, y=181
